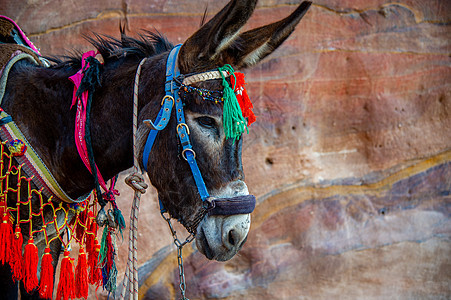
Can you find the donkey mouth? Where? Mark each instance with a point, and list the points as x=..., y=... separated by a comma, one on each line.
x=203, y=246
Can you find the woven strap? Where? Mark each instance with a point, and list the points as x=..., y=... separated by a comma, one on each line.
x=33, y=164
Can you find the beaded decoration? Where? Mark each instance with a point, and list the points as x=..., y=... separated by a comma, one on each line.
x=237, y=113
x=215, y=96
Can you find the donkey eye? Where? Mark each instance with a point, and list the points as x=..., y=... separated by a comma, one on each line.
x=206, y=122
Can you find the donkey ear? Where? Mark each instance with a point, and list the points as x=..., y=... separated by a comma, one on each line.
x=252, y=46
x=201, y=49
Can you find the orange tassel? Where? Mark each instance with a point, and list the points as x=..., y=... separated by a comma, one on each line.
x=30, y=266
x=16, y=254
x=95, y=272
x=47, y=271
x=6, y=232
x=66, y=283
x=81, y=275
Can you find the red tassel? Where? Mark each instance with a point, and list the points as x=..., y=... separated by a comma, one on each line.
x=81, y=275
x=6, y=232
x=91, y=234
x=47, y=271
x=30, y=266
x=66, y=283
x=243, y=98
x=16, y=254
x=95, y=272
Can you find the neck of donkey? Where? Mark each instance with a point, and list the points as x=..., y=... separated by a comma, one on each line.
x=39, y=101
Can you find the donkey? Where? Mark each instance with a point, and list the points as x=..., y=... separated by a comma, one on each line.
x=38, y=100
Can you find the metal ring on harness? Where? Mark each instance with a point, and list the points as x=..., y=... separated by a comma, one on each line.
x=180, y=125
x=188, y=149
x=168, y=97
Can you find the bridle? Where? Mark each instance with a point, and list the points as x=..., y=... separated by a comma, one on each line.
x=174, y=80
x=212, y=206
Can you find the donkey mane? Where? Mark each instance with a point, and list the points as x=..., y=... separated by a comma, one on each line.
x=112, y=49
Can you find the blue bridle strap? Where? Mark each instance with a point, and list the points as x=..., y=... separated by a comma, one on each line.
x=171, y=90
x=164, y=114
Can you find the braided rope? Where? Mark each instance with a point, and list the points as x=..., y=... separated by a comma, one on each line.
x=135, y=181
x=204, y=76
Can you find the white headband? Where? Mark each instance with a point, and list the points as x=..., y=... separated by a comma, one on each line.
x=204, y=76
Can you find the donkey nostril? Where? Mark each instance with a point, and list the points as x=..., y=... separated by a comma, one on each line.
x=232, y=239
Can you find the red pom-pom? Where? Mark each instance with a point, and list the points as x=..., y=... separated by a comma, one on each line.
x=47, y=271
x=243, y=98
x=6, y=232
x=66, y=283
x=30, y=266
x=81, y=275
x=17, y=147
x=16, y=254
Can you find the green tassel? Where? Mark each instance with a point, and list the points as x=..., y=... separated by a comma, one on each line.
x=119, y=219
x=233, y=120
x=103, y=246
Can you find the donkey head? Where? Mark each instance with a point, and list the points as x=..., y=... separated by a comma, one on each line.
x=215, y=44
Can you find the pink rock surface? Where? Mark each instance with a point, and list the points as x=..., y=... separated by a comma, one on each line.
x=349, y=155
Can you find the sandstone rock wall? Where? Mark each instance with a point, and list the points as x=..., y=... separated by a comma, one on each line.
x=350, y=156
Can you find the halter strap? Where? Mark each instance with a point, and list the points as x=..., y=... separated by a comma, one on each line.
x=222, y=206
x=164, y=114
x=172, y=95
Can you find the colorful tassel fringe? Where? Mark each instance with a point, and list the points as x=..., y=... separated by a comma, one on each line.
x=107, y=259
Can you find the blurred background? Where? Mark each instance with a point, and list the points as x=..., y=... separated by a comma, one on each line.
x=350, y=156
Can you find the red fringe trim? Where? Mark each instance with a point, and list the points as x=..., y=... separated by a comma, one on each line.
x=243, y=98
x=16, y=259
x=47, y=272
x=81, y=275
x=6, y=232
x=95, y=272
x=30, y=266
x=66, y=283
